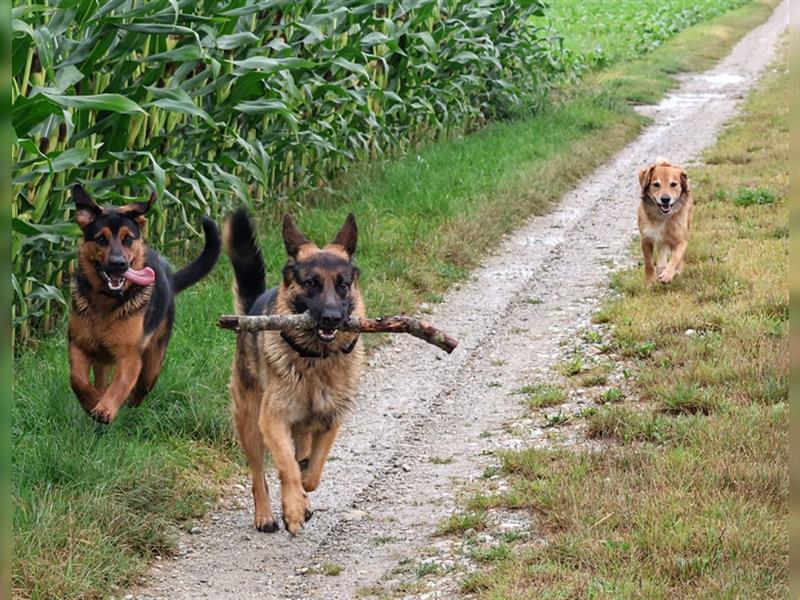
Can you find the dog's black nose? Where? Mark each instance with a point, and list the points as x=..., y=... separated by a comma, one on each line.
x=665, y=199
x=116, y=264
x=330, y=319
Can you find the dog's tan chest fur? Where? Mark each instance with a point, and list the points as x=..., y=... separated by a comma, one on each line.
x=654, y=231
x=315, y=392
x=665, y=229
x=99, y=336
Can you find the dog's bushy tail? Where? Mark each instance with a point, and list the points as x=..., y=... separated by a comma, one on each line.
x=248, y=264
x=202, y=265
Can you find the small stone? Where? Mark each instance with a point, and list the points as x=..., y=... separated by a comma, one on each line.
x=354, y=515
x=690, y=332
x=195, y=530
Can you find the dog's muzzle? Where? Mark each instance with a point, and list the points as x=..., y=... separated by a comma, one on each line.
x=115, y=280
x=665, y=204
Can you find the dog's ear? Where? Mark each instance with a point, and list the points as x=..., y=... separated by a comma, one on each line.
x=86, y=209
x=347, y=237
x=292, y=237
x=684, y=182
x=288, y=272
x=645, y=175
x=137, y=210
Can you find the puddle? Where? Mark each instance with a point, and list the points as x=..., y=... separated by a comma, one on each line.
x=720, y=79
x=676, y=103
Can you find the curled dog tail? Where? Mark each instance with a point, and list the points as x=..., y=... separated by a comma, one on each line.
x=202, y=265
x=248, y=265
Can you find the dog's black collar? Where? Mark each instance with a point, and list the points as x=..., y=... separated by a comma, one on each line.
x=306, y=353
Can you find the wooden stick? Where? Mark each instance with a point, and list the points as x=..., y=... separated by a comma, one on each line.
x=400, y=324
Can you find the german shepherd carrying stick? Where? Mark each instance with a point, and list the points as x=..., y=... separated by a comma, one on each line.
x=123, y=304
x=291, y=390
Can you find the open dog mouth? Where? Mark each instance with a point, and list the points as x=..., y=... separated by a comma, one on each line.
x=117, y=281
x=326, y=335
x=114, y=282
x=665, y=208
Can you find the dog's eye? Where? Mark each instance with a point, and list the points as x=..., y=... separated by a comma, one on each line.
x=673, y=184
x=656, y=184
x=312, y=283
x=342, y=285
x=127, y=240
x=101, y=240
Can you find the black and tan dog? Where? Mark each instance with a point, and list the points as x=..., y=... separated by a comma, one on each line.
x=123, y=304
x=291, y=391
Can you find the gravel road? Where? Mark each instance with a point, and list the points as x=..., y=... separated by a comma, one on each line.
x=426, y=421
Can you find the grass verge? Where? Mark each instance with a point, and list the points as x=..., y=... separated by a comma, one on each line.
x=691, y=497
x=605, y=33
x=92, y=506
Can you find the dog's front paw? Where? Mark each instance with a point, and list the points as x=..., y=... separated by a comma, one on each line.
x=266, y=524
x=666, y=276
x=102, y=413
x=296, y=512
x=311, y=481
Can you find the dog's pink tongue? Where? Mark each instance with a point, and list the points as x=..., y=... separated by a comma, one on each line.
x=144, y=277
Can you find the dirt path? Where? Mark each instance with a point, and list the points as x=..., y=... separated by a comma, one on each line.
x=425, y=422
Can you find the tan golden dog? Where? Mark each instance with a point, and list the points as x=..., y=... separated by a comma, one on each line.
x=665, y=215
x=290, y=391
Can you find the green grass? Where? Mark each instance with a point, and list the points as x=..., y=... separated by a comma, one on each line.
x=428, y=568
x=646, y=79
x=750, y=196
x=593, y=376
x=542, y=395
x=461, y=522
x=383, y=539
x=93, y=505
x=612, y=395
x=690, y=499
x=603, y=33
x=573, y=366
x=331, y=569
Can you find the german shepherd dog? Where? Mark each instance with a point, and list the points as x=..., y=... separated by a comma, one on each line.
x=123, y=304
x=290, y=392
x=664, y=218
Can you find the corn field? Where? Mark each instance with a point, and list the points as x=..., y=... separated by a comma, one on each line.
x=255, y=102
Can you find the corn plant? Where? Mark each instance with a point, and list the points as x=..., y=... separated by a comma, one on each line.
x=253, y=102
